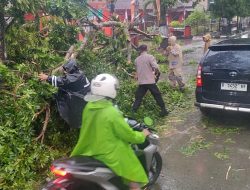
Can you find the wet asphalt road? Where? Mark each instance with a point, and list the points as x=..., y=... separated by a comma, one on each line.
x=200, y=152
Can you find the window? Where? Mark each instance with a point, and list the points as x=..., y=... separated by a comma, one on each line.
x=228, y=59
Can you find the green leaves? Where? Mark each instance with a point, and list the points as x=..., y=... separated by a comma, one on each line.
x=177, y=24
x=66, y=9
x=22, y=96
x=230, y=8
x=62, y=36
x=194, y=145
x=21, y=156
x=197, y=18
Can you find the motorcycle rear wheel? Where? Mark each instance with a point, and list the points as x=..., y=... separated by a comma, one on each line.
x=155, y=169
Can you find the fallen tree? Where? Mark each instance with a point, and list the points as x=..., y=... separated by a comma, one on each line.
x=27, y=105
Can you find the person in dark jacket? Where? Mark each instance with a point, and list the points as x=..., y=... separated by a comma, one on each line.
x=72, y=87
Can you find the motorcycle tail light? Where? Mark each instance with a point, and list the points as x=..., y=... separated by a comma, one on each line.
x=58, y=171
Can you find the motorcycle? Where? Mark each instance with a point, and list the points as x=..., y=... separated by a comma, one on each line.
x=84, y=172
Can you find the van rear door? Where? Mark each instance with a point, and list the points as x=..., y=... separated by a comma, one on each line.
x=226, y=74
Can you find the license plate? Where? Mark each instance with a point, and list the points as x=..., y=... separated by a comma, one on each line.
x=234, y=86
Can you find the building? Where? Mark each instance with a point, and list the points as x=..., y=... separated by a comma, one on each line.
x=104, y=12
x=182, y=10
x=204, y=4
x=123, y=7
x=98, y=4
x=179, y=12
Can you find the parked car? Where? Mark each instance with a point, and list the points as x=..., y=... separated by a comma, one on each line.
x=223, y=77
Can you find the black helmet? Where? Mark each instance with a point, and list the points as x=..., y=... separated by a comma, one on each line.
x=142, y=48
x=70, y=66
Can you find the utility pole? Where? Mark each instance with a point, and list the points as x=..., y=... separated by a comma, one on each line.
x=210, y=2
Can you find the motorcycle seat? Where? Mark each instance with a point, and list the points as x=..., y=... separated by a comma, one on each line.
x=83, y=163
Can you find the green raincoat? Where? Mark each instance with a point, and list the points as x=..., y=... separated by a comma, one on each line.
x=106, y=136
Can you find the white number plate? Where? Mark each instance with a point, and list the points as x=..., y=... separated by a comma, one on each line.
x=234, y=86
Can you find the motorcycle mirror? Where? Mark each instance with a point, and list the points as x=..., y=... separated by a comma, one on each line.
x=148, y=121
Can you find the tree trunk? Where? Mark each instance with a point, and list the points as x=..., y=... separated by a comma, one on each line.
x=197, y=28
x=229, y=26
x=238, y=24
x=146, y=16
x=163, y=21
x=2, y=31
x=219, y=24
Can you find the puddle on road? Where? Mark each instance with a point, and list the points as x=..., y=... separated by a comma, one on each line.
x=206, y=168
x=224, y=142
x=245, y=36
x=187, y=41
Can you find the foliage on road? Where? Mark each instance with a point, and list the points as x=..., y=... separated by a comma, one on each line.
x=196, y=144
x=224, y=155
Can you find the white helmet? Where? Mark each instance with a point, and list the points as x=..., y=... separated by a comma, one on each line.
x=103, y=85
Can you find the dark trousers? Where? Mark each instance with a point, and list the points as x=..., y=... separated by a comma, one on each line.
x=142, y=90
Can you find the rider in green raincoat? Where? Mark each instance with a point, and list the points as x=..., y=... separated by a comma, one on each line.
x=106, y=136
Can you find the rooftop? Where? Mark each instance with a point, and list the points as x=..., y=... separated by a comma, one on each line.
x=125, y=4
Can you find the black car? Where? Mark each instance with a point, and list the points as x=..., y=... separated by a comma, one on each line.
x=223, y=77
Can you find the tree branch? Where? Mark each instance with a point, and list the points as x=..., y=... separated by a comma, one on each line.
x=141, y=32
x=10, y=24
x=45, y=124
x=38, y=113
x=9, y=93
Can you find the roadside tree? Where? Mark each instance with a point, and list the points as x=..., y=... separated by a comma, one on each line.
x=12, y=11
x=199, y=20
x=229, y=9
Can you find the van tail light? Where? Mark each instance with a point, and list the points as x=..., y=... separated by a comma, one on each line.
x=198, y=78
x=58, y=171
